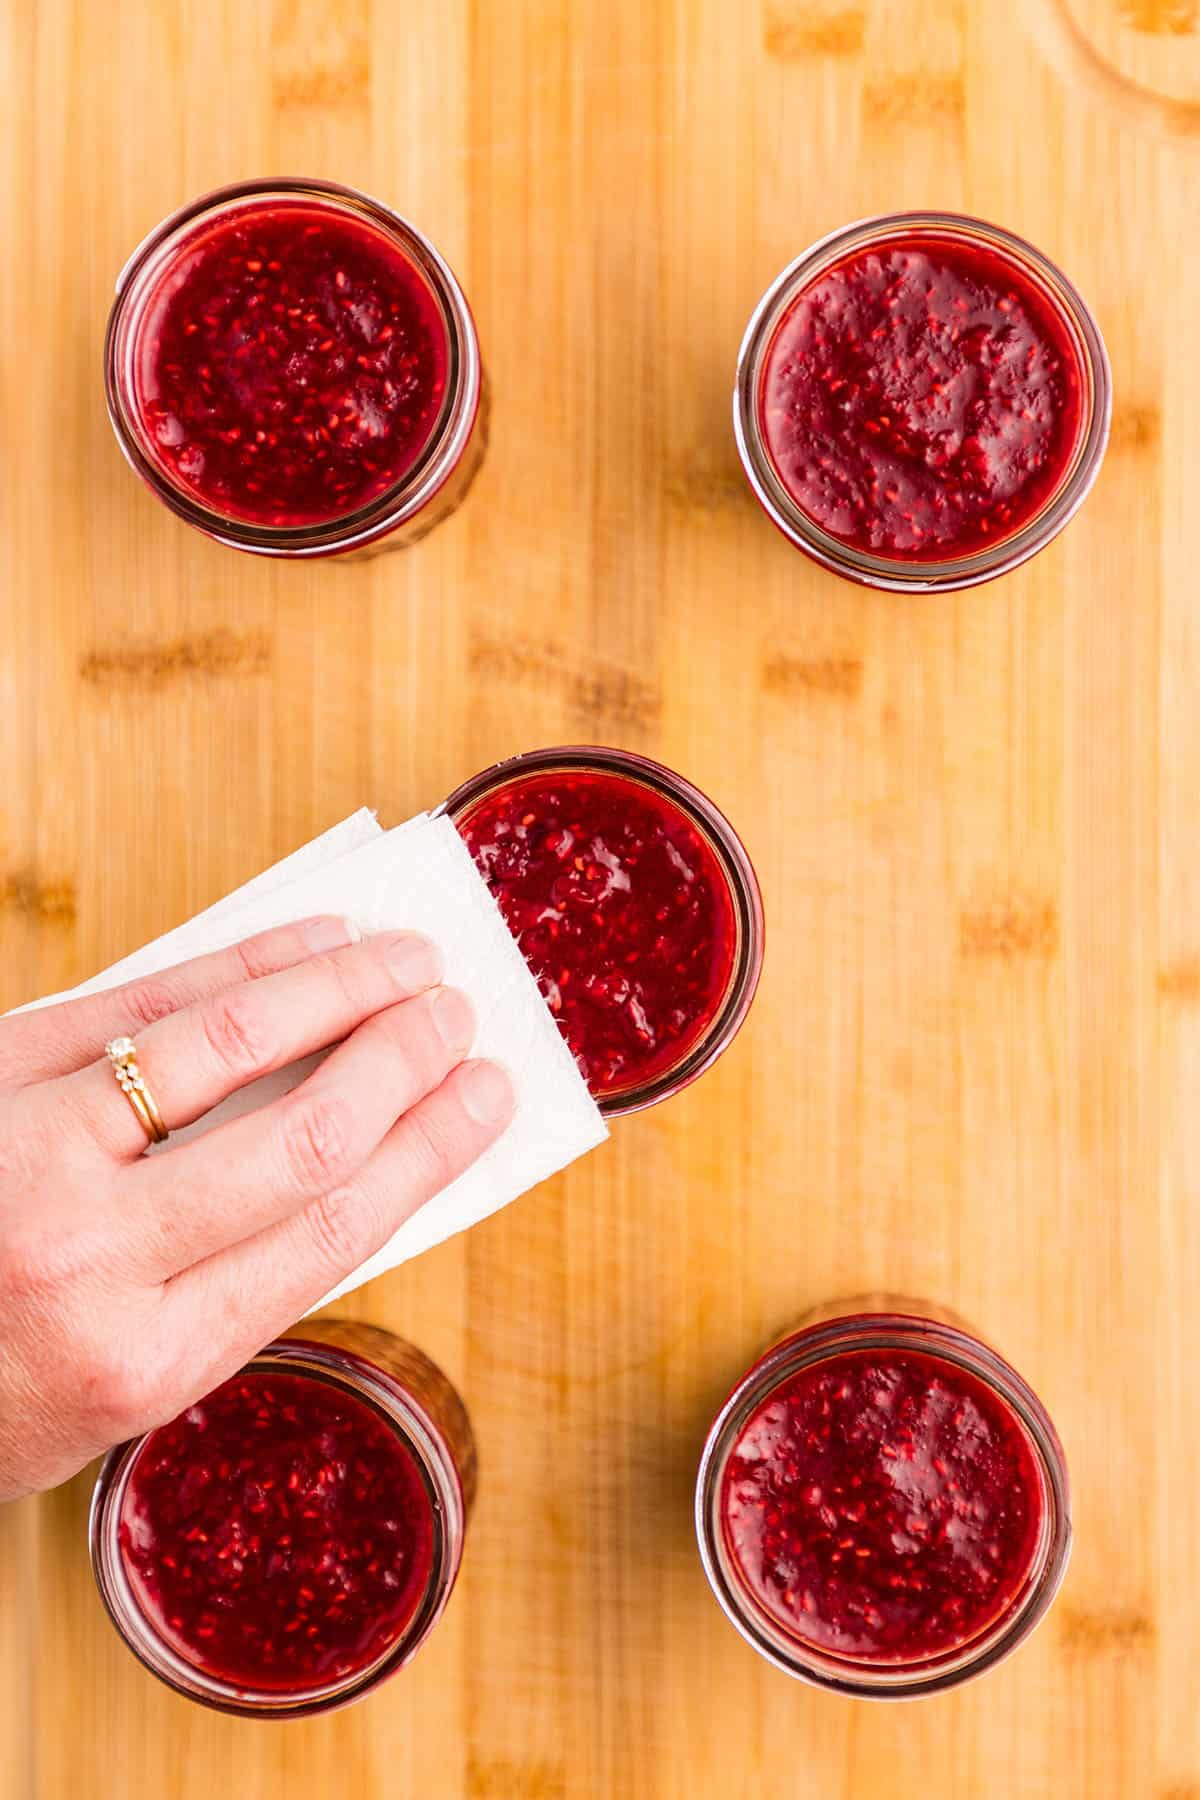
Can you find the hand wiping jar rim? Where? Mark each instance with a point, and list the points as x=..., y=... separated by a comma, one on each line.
x=294, y=370
x=882, y=1505
x=291, y=1539
x=922, y=401
x=635, y=904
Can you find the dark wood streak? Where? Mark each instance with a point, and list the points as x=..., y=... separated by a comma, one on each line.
x=48, y=902
x=701, y=482
x=1135, y=427
x=1180, y=980
x=1010, y=926
x=835, y=673
x=803, y=31
x=211, y=655
x=915, y=100
x=1160, y=18
x=601, y=691
x=502, y=1778
x=1090, y=1632
x=319, y=57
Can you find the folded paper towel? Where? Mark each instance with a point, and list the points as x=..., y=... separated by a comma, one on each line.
x=418, y=877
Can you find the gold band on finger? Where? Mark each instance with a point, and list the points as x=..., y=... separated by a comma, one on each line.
x=122, y=1054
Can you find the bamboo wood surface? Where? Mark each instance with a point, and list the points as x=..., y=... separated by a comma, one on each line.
x=973, y=1068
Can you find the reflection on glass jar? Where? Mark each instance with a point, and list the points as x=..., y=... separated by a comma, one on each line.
x=294, y=370
x=882, y=1504
x=635, y=904
x=922, y=402
x=291, y=1539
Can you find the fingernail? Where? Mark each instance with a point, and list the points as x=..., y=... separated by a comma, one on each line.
x=487, y=1093
x=330, y=934
x=454, y=1017
x=415, y=962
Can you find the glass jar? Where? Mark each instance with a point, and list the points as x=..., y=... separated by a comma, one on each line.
x=168, y=1496
x=939, y=451
x=635, y=903
x=886, y=1434
x=208, y=352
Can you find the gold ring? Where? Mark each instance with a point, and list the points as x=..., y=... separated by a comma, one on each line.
x=122, y=1054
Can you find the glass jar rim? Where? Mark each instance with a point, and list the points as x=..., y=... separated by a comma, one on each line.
x=439, y=1475
x=447, y=440
x=735, y=865
x=852, y=1332
x=952, y=573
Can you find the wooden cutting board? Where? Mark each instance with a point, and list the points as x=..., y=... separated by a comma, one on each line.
x=973, y=1071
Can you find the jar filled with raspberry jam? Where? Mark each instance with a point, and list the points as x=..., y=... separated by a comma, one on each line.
x=922, y=402
x=293, y=369
x=290, y=1540
x=635, y=904
x=882, y=1505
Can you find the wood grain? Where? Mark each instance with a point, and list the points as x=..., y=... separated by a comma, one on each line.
x=972, y=1069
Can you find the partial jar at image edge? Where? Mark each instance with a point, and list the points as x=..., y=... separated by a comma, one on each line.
x=287, y=408
x=356, y=1380
x=570, y=841
x=932, y=404
x=954, y=1412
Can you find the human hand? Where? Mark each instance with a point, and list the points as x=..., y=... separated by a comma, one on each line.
x=129, y=1286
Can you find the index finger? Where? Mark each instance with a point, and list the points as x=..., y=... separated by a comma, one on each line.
x=56, y=1040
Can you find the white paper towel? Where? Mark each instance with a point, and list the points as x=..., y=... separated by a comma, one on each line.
x=418, y=877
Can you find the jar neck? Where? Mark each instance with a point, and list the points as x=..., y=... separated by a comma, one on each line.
x=419, y=484
x=732, y=858
x=953, y=573
x=320, y=1353
x=835, y=1332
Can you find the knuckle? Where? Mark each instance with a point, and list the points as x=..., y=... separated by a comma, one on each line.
x=30, y=1270
x=407, y=1037
x=339, y=1224
x=332, y=972
x=430, y=1146
x=125, y=1388
x=146, y=1002
x=30, y=1143
x=317, y=1142
x=395, y=1048
x=251, y=959
x=48, y=1267
x=19, y=1051
x=264, y=954
x=234, y=1031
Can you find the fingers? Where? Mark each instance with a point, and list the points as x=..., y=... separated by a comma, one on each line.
x=256, y=1289
x=261, y=1168
x=201, y=1054
x=56, y=1039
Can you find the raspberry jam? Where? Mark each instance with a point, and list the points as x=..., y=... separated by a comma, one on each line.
x=624, y=902
x=292, y=1538
x=293, y=369
x=290, y=364
x=929, y=393
x=882, y=1505
x=278, y=1533
x=921, y=399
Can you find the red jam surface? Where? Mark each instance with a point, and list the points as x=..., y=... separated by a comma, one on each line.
x=622, y=910
x=883, y=1505
x=277, y=1534
x=921, y=399
x=290, y=364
